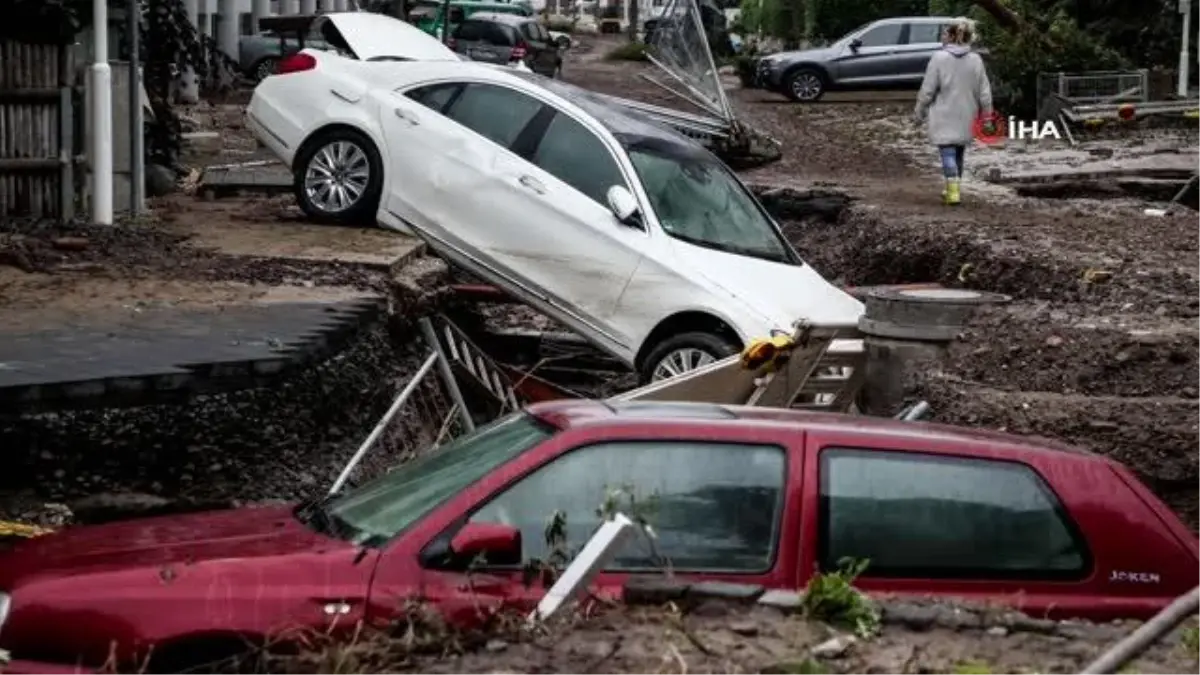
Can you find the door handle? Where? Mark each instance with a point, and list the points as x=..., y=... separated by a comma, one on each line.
x=407, y=116
x=533, y=184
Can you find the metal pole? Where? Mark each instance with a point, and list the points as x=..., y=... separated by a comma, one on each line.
x=383, y=422
x=137, y=153
x=1147, y=634
x=445, y=36
x=447, y=373
x=100, y=125
x=1185, y=8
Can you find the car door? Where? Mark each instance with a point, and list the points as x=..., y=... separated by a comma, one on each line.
x=571, y=245
x=543, y=54
x=442, y=142
x=912, y=57
x=934, y=521
x=873, y=63
x=718, y=505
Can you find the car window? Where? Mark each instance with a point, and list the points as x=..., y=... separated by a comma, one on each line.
x=714, y=506
x=470, y=31
x=882, y=36
x=577, y=157
x=496, y=113
x=529, y=30
x=385, y=506
x=929, y=516
x=924, y=33
x=500, y=35
x=435, y=96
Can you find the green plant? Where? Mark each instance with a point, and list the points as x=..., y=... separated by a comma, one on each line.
x=1191, y=641
x=630, y=51
x=831, y=597
x=972, y=668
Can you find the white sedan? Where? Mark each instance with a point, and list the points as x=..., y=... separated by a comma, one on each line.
x=632, y=235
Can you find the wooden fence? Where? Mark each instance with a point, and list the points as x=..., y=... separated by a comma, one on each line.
x=37, y=131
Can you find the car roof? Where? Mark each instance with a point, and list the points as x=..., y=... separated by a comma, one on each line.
x=916, y=19
x=581, y=413
x=622, y=122
x=500, y=17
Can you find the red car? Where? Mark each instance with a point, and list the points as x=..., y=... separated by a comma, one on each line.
x=750, y=495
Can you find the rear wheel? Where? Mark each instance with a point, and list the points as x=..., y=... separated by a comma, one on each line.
x=683, y=353
x=264, y=68
x=805, y=85
x=339, y=178
x=563, y=42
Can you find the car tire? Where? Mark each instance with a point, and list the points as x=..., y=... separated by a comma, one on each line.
x=804, y=85
x=337, y=205
x=684, y=352
x=264, y=68
x=562, y=42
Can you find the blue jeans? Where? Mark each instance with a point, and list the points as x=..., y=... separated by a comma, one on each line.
x=952, y=160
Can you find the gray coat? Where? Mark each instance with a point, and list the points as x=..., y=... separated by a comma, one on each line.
x=954, y=93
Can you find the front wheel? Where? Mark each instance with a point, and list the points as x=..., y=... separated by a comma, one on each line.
x=804, y=85
x=683, y=353
x=339, y=178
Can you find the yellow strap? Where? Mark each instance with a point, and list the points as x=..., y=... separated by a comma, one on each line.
x=11, y=529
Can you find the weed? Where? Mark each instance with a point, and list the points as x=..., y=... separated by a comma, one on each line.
x=630, y=51
x=972, y=668
x=832, y=598
x=1191, y=641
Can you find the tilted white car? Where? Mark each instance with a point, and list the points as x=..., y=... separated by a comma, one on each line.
x=632, y=235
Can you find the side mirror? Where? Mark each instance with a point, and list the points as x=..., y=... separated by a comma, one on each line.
x=855, y=44
x=498, y=544
x=623, y=205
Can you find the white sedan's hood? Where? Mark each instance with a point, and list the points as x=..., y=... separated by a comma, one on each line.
x=372, y=36
x=783, y=294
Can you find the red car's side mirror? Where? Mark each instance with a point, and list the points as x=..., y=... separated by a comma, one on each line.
x=498, y=544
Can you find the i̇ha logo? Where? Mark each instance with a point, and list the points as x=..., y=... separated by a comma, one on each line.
x=994, y=128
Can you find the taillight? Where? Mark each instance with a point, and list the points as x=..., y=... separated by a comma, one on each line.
x=518, y=52
x=296, y=63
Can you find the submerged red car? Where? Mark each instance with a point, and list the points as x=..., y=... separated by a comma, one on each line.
x=748, y=495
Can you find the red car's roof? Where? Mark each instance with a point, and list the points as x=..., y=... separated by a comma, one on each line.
x=564, y=414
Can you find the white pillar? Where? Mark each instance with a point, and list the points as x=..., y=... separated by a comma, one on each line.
x=289, y=7
x=308, y=7
x=1185, y=8
x=101, y=121
x=258, y=9
x=339, y=5
x=227, y=27
x=324, y=6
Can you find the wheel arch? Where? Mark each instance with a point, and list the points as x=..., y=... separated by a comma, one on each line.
x=806, y=65
x=177, y=651
x=684, y=322
x=315, y=135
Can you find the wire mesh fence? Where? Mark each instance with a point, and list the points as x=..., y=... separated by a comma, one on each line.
x=679, y=45
x=1101, y=86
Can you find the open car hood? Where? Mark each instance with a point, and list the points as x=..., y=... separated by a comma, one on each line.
x=375, y=37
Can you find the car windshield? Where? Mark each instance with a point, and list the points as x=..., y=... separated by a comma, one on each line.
x=698, y=200
x=382, y=508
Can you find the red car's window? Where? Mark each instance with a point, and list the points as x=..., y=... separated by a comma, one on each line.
x=933, y=516
x=714, y=506
x=384, y=507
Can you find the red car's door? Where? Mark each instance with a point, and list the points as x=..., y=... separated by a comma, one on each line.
x=977, y=520
x=723, y=501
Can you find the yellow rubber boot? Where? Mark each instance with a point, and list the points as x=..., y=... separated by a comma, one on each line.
x=951, y=195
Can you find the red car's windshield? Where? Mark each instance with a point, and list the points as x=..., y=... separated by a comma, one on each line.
x=379, y=510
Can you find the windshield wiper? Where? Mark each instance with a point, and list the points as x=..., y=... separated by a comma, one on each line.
x=729, y=248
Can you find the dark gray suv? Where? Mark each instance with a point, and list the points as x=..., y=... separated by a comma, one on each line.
x=888, y=53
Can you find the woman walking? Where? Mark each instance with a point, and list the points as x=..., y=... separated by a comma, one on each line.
x=954, y=94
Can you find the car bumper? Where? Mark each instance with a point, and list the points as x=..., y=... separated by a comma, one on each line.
x=273, y=142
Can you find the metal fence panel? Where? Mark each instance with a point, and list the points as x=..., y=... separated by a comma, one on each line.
x=36, y=139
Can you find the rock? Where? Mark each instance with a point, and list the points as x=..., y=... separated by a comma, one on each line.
x=997, y=631
x=744, y=628
x=1054, y=341
x=913, y=616
x=496, y=646
x=725, y=590
x=788, y=601
x=160, y=180
x=834, y=647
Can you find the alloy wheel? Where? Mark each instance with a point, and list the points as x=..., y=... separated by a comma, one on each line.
x=337, y=176
x=806, y=86
x=681, y=361
x=265, y=69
